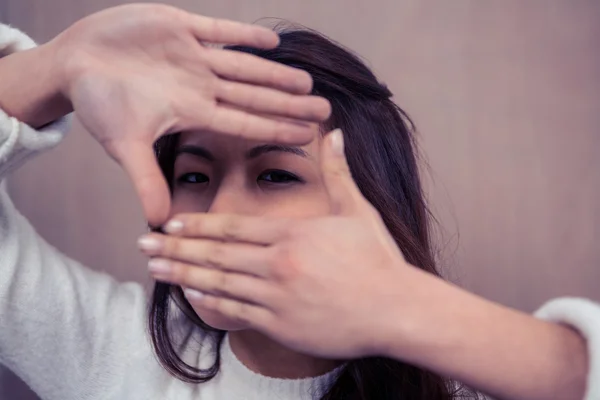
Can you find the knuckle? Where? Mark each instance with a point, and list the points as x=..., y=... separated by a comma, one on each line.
x=270, y=259
x=293, y=106
x=277, y=131
x=231, y=229
x=215, y=254
x=274, y=76
x=222, y=283
x=223, y=90
x=179, y=272
x=278, y=272
x=215, y=26
x=171, y=246
x=192, y=226
x=286, y=266
x=245, y=127
x=243, y=313
x=209, y=122
x=254, y=99
x=236, y=310
x=210, y=302
x=235, y=65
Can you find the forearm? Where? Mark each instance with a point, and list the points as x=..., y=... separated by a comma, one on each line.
x=30, y=87
x=492, y=348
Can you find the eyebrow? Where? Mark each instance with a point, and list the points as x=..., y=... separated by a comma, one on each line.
x=196, y=151
x=254, y=152
x=267, y=148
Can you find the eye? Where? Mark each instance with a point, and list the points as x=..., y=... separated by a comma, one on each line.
x=192, y=177
x=277, y=176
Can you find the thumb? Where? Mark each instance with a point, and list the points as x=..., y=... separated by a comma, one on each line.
x=344, y=195
x=139, y=162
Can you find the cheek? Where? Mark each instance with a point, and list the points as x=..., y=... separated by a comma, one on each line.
x=310, y=201
x=186, y=202
x=218, y=321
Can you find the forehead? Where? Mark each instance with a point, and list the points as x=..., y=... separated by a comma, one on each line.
x=218, y=142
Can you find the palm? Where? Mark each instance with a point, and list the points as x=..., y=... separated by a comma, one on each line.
x=137, y=72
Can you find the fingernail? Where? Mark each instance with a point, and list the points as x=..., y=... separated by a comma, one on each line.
x=337, y=142
x=193, y=294
x=159, y=266
x=149, y=243
x=173, y=226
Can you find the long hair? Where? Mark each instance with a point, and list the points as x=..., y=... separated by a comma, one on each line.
x=382, y=155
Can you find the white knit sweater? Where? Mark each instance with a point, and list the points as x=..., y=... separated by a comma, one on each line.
x=72, y=333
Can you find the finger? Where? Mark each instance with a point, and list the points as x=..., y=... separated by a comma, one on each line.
x=230, y=32
x=236, y=257
x=239, y=123
x=209, y=280
x=273, y=102
x=243, y=67
x=139, y=161
x=229, y=228
x=344, y=196
x=255, y=316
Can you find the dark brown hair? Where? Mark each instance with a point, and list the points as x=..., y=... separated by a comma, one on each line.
x=381, y=151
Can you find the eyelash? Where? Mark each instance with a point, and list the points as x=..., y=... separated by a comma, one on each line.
x=288, y=177
x=182, y=178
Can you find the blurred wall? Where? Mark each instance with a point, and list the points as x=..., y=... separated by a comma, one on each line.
x=506, y=96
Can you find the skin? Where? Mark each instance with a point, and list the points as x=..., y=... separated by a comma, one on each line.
x=330, y=285
x=159, y=80
x=336, y=286
x=218, y=174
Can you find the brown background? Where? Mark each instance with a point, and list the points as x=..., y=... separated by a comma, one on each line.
x=506, y=95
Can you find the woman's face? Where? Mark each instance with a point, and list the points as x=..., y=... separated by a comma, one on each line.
x=219, y=174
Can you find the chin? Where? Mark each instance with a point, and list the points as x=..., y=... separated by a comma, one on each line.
x=219, y=321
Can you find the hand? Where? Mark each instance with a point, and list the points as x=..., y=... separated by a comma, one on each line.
x=319, y=285
x=338, y=287
x=136, y=72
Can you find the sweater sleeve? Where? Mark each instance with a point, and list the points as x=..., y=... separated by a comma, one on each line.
x=66, y=330
x=584, y=316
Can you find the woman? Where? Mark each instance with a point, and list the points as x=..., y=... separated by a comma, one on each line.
x=93, y=327
x=207, y=173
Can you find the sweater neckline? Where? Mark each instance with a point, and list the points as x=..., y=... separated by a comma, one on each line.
x=301, y=388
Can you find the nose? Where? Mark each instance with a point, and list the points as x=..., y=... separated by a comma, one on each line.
x=232, y=199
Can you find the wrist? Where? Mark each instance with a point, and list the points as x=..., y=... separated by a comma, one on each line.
x=30, y=89
x=67, y=63
x=504, y=352
x=69, y=60
x=58, y=72
x=416, y=314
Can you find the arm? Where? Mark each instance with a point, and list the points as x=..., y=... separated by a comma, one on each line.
x=60, y=323
x=27, y=103
x=345, y=277
x=137, y=72
x=63, y=325
x=495, y=349
x=38, y=101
